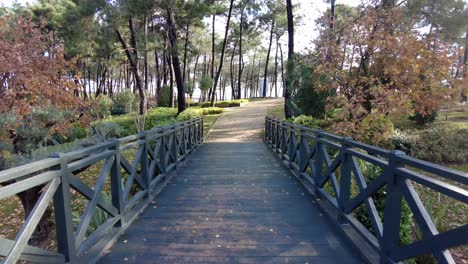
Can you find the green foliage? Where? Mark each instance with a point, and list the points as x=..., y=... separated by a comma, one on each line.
x=164, y=99
x=307, y=121
x=104, y=106
x=438, y=144
x=102, y=131
x=125, y=103
x=422, y=119
x=191, y=113
x=212, y=111
x=225, y=104
x=189, y=88
x=188, y=114
x=307, y=98
x=76, y=132
x=41, y=127
x=205, y=83
x=375, y=129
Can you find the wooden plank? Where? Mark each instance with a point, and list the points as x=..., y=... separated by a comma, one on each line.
x=31, y=253
x=29, y=183
x=31, y=222
x=30, y=168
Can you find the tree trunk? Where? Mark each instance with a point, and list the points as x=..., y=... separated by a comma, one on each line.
x=283, y=81
x=187, y=29
x=287, y=94
x=171, y=24
x=213, y=46
x=268, y=58
x=218, y=73
x=275, y=78
x=44, y=230
x=132, y=56
x=233, y=89
x=239, y=75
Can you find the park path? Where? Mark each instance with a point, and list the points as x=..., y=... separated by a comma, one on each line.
x=233, y=202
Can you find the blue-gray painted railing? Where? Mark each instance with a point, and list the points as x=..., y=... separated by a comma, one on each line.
x=306, y=153
x=158, y=152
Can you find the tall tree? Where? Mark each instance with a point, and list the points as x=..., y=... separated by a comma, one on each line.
x=221, y=60
x=171, y=25
x=289, y=65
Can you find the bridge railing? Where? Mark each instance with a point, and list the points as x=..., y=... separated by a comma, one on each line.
x=146, y=159
x=329, y=167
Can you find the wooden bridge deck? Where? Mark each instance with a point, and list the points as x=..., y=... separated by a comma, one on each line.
x=234, y=202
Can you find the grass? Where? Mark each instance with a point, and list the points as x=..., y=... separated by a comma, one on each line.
x=276, y=111
x=208, y=122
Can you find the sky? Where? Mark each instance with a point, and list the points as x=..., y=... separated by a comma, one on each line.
x=305, y=32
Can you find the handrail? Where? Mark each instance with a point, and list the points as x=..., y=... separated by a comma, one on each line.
x=157, y=153
x=306, y=152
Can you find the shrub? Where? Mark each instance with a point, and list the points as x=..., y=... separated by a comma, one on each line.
x=124, y=103
x=164, y=99
x=76, y=132
x=189, y=114
x=223, y=104
x=438, y=144
x=375, y=129
x=212, y=111
x=192, y=103
x=104, y=106
x=307, y=121
x=234, y=104
x=423, y=119
x=205, y=104
x=102, y=131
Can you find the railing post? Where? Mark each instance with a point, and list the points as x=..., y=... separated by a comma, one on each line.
x=345, y=174
x=189, y=136
x=173, y=147
x=201, y=130
x=116, y=184
x=319, y=158
x=163, y=153
x=265, y=136
x=144, y=162
x=392, y=212
x=63, y=213
x=302, y=151
x=278, y=136
x=291, y=147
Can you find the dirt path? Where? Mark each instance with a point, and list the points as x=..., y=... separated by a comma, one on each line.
x=242, y=124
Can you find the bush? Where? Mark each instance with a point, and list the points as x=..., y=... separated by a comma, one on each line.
x=438, y=144
x=212, y=111
x=124, y=103
x=424, y=119
x=375, y=129
x=307, y=121
x=189, y=114
x=104, y=106
x=164, y=99
x=77, y=132
x=223, y=104
x=102, y=131
x=205, y=104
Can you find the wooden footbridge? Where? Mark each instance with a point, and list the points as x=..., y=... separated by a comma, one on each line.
x=289, y=199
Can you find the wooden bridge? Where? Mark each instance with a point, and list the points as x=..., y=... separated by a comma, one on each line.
x=234, y=199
